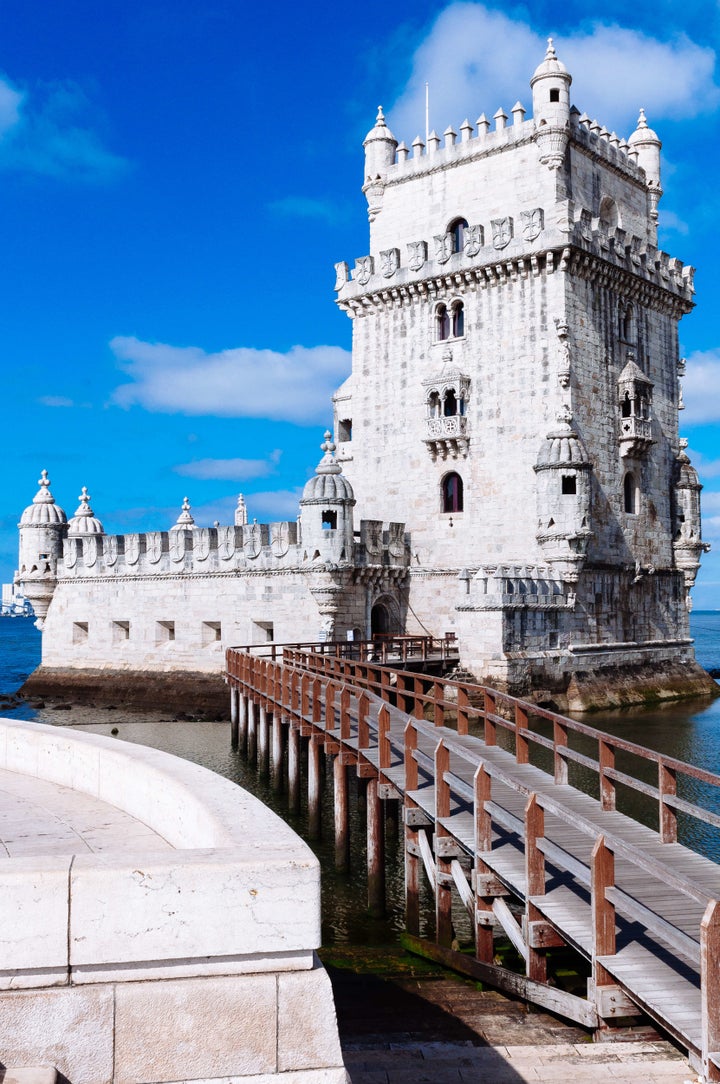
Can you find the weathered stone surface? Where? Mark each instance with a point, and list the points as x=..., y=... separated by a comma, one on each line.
x=304, y=995
x=195, y=1029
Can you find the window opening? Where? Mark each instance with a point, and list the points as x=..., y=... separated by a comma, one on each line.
x=457, y=231
x=164, y=632
x=458, y=319
x=211, y=632
x=569, y=484
x=442, y=323
x=120, y=631
x=452, y=493
x=434, y=405
x=629, y=494
x=345, y=430
x=554, y=94
x=329, y=520
x=450, y=404
x=79, y=632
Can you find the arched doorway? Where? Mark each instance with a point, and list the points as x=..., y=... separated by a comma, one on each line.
x=380, y=620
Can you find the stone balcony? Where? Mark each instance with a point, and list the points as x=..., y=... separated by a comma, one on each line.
x=635, y=435
x=447, y=437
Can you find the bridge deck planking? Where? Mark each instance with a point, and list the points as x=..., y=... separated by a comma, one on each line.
x=669, y=992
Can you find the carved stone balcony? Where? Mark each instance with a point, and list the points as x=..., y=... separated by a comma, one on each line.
x=447, y=437
x=635, y=435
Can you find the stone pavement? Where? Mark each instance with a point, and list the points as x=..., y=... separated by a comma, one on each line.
x=438, y=1028
x=38, y=817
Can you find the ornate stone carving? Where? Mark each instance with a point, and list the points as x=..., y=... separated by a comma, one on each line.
x=443, y=247
x=474, y=240
x=279, y=538
x=110, y=549
x=396, y=539
x=177, y=545
x=226, y=543
x=153, y=546
x=533, y=223
x=90, y=552
x=342, y=275
x=364, y=269
x=70, y=553
x=389, y=262
x=201, y=544
x=502, y=231
x=417, y=254
x=564, y=352
x=132, y=549
x=252, y=540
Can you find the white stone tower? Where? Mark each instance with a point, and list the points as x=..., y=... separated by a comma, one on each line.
x=514, y=394
x=43, y=526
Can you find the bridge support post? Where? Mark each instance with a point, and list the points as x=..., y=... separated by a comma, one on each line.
x=342, y=832
x=242, y=722
x=234, y=697
x=294, y=768
x=277, y=750
x=314, y=788
x=263, y=725
x=535, y=886
x=443, y=893
x=252, y=731
x=375, y=851
x=412, y=859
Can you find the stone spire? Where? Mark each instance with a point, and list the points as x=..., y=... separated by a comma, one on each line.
x=241, y=516
x=645, y=145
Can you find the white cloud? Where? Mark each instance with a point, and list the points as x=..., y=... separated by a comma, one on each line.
x=706, y=468
x=47, y=131
x=229, y=470
x=701, y=388
x=492, y=58
x=55, y=401
x=237, y=383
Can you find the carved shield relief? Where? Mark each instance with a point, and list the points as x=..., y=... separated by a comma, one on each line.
x=532, y=223
x=474, y=240
x=279, y=538
x=417, y=254
x=90, y=551
x=132, y=549
x=110, y=549
x=226, y=543
x=252, y=540
x=70, y=553
x=389, y=261
x=364, y=269
x=153, y=543
x=201, y=544
x=502, y=231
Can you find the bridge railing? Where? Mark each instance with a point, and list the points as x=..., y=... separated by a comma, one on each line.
x=381, y=648
x=356, y=702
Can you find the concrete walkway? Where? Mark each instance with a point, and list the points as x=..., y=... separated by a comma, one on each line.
x=442, y=1029
x=38, y=817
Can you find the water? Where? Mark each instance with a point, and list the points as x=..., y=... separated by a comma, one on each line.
x=688, y=730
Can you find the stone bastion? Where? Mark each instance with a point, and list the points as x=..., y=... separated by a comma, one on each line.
x=157, y=922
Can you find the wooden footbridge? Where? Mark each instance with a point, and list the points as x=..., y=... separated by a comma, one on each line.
x=492, y=817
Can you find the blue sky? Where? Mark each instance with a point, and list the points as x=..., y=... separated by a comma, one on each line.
x=179, y=178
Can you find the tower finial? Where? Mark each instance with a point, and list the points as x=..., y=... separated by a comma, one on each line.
x=43, y=480
x=380, y=119
x=642, y=119
x=550, y=53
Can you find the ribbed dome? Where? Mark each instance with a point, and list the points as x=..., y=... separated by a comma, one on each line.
x=380, y=130
x=185, y=522
x=688, y=477
x=329, y=484
x=84, y=522
x=551, y=66
x=43, y=512
x=562, y=447
x=643, y=133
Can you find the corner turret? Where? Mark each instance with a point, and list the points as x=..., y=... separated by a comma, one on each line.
x=326, y=515
x=42, y=526
x=84, y=523
x=645, y=145
x=551, y=108
x=687, y=534
x=185, y=521
x=380, y=149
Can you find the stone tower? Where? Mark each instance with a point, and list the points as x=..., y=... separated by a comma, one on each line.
x=514, y=393
x=43, y=527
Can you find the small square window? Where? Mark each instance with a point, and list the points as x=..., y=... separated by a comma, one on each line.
x=79, y=632
x=164, y=632
x=211, y=632
x=120, y=631
x=569, y=484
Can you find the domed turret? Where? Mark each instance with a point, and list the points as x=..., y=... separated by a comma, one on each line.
x=84, y=522
x=380, y=147
x=326, y=510
x=42, y=526
x=551, y=108
x=644, y=143
x=687, y=534
x=184, y=522
x=563, y=498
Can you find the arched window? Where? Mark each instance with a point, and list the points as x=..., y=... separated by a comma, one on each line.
x=450, y=404
x=609, y=213
x=458, y=318
x=452, y=493
x=627, y=323
x=630, y=494
x=457, y=230
x=434, y=405
x=442, y=323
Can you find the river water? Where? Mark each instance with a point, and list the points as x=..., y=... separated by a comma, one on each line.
x=688, y=730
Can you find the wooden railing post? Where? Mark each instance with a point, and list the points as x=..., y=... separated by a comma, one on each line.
x=560, y=742
x=316, y=705
x=412, y=858
x=463, y=716
x=710, y=987
x=438, y=709
x=383, y=738
x=536, y=966
x=443, y=894
x=490, y=726
x=606, y=759
x=329, y=706
x=522, y=751
x=602, y=877
x=667, y=786
x=344, y=713
x=484, y=918
x=363, y=706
